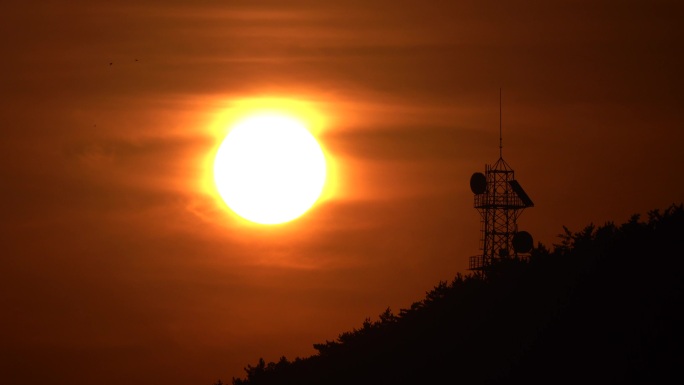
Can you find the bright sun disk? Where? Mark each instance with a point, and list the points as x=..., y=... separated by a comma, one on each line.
x=269, y=169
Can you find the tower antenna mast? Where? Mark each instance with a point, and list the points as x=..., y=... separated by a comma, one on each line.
x=500, y=199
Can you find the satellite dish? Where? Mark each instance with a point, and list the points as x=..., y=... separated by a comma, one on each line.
x=522, y=242
x=478, y=183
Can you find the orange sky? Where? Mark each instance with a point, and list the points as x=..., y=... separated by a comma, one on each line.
x=119, y=267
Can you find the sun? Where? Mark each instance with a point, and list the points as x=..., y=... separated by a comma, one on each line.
x=269, y=169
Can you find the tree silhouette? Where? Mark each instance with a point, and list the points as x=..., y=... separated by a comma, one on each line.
x=602, y=307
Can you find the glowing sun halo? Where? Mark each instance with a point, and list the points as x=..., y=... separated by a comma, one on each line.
x=269, y=169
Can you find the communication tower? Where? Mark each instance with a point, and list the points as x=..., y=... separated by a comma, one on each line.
x=500, y=200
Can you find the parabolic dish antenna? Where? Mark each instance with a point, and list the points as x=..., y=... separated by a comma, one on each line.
x=478, y=183
x=522, y=242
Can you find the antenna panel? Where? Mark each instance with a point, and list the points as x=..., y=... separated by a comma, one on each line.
x=521, y=193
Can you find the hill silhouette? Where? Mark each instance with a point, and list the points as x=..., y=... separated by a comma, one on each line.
x=602, y=307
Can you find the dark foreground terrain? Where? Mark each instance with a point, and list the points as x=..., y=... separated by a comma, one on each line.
x=602, y=307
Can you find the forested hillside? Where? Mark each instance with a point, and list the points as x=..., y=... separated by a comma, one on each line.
x=601, y=307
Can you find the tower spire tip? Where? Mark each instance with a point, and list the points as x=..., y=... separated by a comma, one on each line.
x=500, y=136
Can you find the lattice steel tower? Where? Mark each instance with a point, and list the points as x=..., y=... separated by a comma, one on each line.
x=500, y=200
